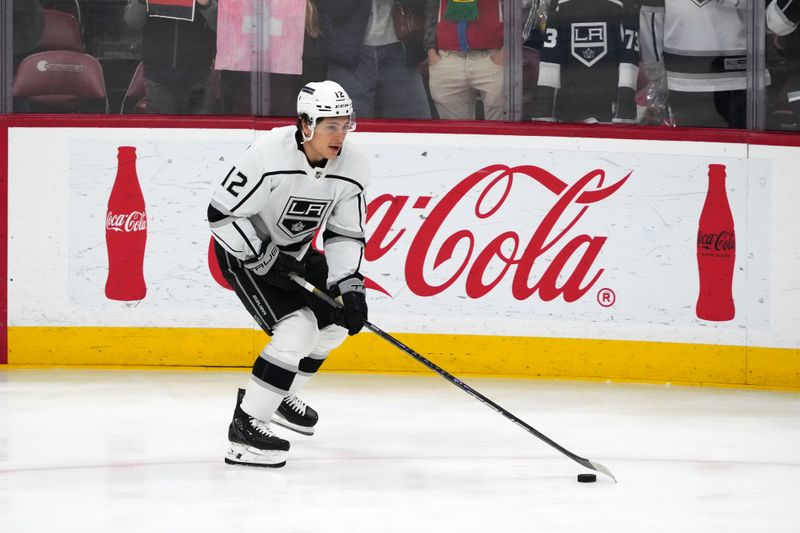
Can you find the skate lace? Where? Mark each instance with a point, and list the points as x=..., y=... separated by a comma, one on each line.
x=261, y=426
x=297, y=405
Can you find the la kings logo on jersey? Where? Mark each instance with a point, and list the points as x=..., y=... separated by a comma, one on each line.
x=302, y=216
x=589, y=42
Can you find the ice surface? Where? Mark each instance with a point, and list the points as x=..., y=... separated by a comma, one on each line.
x=142, y=451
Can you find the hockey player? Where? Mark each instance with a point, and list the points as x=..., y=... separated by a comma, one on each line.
x=589, y=62
x=264, y=215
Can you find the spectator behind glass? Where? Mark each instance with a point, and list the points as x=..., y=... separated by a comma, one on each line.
x=464, y=42
x=365, y=56
x=695, y=53
x=280, y=93
x=284, y=88
x=177, y=56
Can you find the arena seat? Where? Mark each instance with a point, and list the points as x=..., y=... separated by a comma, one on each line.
x=60, y=81
x=61, y=32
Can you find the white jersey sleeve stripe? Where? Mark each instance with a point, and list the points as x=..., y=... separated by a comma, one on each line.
x=225, y=245
x=219, y=207
x=343, y=232
x=550, y=75
x=349, y=254
x=628, y=75
x=222, y=222
x=246, y=238
x=334, y=240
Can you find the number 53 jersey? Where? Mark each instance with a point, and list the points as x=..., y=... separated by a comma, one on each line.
x=273, y=193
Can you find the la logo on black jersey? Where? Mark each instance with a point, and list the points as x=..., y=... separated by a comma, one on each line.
x=302, y=216
x=589, y=42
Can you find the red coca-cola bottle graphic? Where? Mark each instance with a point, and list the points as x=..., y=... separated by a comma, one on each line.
x=126, y=231
x=716, y=251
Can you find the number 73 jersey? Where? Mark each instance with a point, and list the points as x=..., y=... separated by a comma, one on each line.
x=272, y=193
x=589, y=62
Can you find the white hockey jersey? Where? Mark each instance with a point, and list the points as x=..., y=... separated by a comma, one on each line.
x=702, y=44
x=272, y=192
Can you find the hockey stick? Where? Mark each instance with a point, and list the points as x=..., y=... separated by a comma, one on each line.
x=593, y=465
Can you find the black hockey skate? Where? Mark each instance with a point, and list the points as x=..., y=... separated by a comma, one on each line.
x=252, y=442
x=294, y=414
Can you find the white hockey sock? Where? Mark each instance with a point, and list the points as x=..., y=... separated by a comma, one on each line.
x=299, y=382
x=259, y=402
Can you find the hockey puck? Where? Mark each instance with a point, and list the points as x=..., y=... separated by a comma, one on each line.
x=587, y=478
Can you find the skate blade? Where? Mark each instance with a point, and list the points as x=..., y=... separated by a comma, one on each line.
x=239, y=454
x=303, y=430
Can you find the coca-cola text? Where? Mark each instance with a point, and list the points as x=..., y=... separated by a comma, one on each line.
x=571, y=258
x=135, y=221
x=724, y=240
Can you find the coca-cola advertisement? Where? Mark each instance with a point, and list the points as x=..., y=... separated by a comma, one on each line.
x=138, y=230
x=492, y=235
x=716, y=251
x=126, y=231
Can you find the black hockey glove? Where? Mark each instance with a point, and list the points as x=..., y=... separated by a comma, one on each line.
x=275, y=266
x=354, y=299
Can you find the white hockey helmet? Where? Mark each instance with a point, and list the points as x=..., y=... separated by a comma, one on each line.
x=319, y=99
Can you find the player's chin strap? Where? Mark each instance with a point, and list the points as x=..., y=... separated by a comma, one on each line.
x=593, y=465
x=303, y=134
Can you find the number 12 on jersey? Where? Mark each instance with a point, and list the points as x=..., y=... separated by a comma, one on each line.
x=237, y=182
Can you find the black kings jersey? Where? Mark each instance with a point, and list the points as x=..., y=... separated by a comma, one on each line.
x=589, y=62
